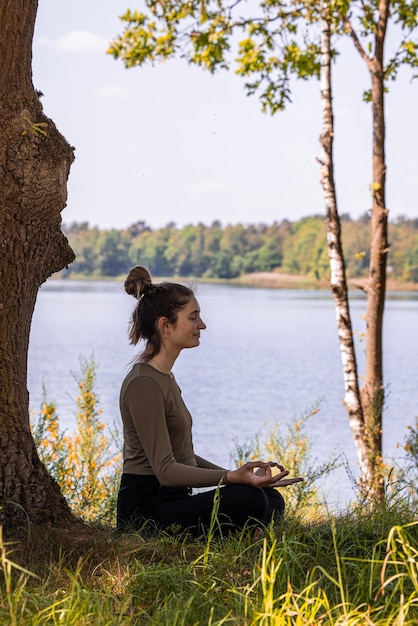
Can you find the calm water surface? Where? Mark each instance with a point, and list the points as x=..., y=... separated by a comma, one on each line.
x=267, y=354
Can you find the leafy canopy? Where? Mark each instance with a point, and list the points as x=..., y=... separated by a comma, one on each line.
x=271, y=40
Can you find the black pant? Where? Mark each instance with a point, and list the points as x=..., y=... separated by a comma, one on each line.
x=142, y=498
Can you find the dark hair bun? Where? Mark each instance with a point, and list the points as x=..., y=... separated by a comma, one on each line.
x=138, y=282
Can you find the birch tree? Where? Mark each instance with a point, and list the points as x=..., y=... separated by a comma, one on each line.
x=278, y=40
x=366, y=23
x=338, y=278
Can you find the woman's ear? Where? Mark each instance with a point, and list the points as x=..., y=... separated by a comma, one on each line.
x=163, y=325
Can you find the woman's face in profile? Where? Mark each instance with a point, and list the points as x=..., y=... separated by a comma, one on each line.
x=185, y=332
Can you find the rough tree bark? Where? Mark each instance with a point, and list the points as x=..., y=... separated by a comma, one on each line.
x=373, y=389
x=372, y=392
x=34, y=165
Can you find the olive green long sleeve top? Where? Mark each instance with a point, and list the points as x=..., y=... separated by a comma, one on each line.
x=157, y=430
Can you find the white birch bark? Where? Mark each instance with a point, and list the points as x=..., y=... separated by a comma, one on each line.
x=338, y=283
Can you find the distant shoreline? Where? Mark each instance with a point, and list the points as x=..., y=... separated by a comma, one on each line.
x=278, y=280
x=266, y=280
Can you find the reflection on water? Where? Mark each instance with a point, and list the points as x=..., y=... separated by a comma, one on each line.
x=266, y=354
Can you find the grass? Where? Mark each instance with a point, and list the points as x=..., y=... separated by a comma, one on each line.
x=356, y=568
x=312, y=568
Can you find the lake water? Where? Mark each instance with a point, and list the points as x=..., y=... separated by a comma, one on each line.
x=267, y=354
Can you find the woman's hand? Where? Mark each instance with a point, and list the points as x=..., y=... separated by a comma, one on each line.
x=259, y=474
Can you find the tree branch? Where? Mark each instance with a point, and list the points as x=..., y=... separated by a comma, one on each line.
x=350, y=30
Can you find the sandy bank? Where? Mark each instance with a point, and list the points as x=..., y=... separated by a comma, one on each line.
x=281, y=280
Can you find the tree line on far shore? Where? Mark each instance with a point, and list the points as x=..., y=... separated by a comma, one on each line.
x=226, y=252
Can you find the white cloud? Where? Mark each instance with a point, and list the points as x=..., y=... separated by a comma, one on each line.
x=75, y=41
x=112, y=91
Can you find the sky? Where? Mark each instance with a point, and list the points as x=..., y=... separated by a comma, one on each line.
x=173, y=143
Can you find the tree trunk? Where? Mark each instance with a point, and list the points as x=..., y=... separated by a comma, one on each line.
x=372, y=392
x=338, y=282
x=34, y=165
x=373, y=389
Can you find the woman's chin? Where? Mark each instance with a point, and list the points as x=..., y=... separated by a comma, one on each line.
x=194, y=344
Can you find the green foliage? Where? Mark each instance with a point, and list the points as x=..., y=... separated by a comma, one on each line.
x=406, y=477
x=214, y=252
x=410, y=265
x=306, y=251
x=83, y=464
x=35, y=128
x=274, y=40
x=50, y=442
x=204, y=33
x=291, y=448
